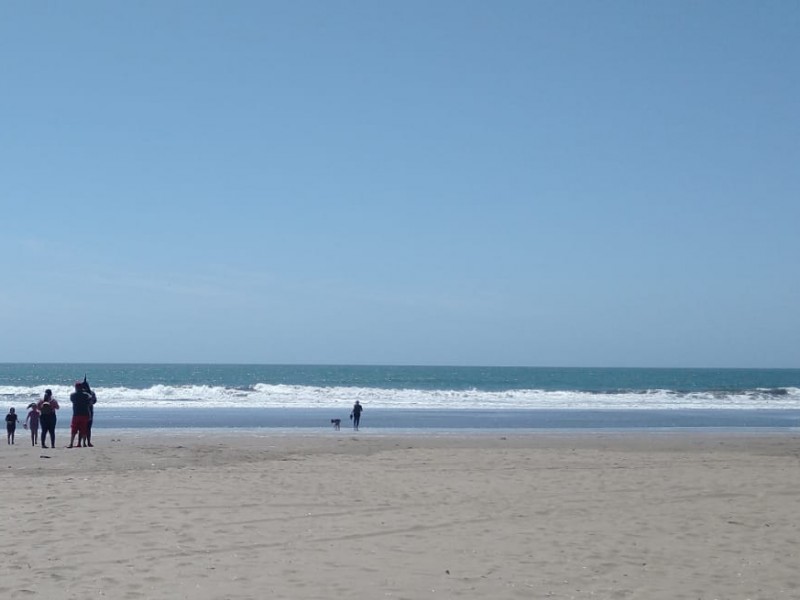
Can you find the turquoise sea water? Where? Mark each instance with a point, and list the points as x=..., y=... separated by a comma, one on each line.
x=141, y=395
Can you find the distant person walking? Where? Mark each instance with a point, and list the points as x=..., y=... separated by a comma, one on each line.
x=355, y=415
x=32, y=422
x=47, y=417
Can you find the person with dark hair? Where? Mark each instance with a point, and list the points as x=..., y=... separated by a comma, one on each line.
x=47, y=417
x=355, y=415
x=11, y=424
x=81, y=401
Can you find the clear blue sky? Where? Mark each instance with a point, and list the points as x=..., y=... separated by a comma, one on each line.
x=413, y=182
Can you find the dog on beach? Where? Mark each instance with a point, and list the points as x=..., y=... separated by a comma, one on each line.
x=337, y=423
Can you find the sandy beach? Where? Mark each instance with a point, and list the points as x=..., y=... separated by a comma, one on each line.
x=698, y=515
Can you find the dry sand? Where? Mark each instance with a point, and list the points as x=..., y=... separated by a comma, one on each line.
x=542, y=515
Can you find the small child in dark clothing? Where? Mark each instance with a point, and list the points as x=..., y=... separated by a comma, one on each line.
x=11, y=424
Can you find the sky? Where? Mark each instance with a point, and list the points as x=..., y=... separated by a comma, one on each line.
x=437, y=182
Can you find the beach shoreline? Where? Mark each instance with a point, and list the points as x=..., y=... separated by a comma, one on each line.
x=404, y=421
x=547, y=514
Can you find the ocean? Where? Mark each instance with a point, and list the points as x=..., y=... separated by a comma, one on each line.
x=290, y=397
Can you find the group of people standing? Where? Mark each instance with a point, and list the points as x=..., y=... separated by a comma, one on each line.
x=44, y=414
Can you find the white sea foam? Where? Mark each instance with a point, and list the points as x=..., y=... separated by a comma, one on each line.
x=296, y=396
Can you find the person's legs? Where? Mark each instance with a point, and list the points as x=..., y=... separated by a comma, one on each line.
x=73, y=433
x=83, y=431
x=78, y=428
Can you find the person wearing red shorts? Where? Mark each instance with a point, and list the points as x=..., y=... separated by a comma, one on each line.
x=81, y=402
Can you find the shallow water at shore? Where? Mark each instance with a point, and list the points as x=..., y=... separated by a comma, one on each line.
x=442, y=420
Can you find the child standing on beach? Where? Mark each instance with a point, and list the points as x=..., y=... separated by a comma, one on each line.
x=11, y=424
x=32, y=422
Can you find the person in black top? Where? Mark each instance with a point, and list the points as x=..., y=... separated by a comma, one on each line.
x=81, y=401
x=47, y=418
x=88, y=440
x=86, y=388
x=11, y=424
x=356, y=414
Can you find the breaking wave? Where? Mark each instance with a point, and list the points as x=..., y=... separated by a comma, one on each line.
x=300, y=396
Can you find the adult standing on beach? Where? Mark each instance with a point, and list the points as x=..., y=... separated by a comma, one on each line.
x=87, y=389
x=92, y=402
x=47, y=417
x=356, y=414
x=81, y=401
